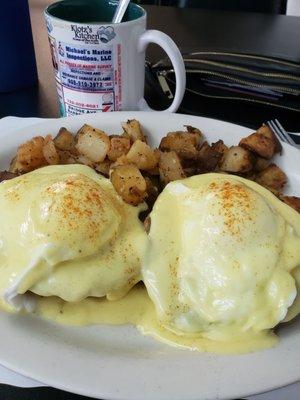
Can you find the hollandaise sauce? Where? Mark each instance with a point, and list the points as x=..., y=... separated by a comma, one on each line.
x=137, y=309
x=219, y=277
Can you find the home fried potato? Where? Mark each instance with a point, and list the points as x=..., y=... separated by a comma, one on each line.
x=272, y=178
x=267, y=132
x=147, y=224
x=237, y=160
x=123, y=160
x=196, y=132
x=81, y=159
x=119, y=146
x=14, y=167
x=29, y=156
x=263, y=143
x=208, y=158
x=92, y=143
x=139, y=172
x=64, y=140
x=155, y=171
x=129, y=183
x=49, y=150
x=152, y=184
x=221, y=148
x=190, y=167
x=66, y=157
x=132, y=129
x=142, y=155
x=103, y=167
x=292, y=201
x=185, y=144
x=260, y=164
x=6, y=175
x=251, y=175
x=170, y=168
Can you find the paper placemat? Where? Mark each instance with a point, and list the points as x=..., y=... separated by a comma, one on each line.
x=291, y=392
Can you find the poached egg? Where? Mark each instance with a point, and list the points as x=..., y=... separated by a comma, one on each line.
x=65, y=232
x=222, y=258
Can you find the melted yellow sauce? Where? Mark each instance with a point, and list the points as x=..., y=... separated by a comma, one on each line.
x=137, y=309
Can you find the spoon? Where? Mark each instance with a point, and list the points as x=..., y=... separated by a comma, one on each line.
x=120, y=11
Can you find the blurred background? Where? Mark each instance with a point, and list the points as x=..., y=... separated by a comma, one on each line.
x=242, y=59
x=290, y=7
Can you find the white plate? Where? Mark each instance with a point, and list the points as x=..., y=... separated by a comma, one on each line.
x=118, y=362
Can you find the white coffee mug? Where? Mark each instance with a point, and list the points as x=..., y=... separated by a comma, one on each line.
x=100, y=66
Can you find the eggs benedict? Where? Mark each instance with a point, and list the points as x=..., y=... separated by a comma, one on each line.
x=65, y=232
x=223, y=258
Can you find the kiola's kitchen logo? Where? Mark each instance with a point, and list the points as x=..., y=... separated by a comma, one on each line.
x=86, y=34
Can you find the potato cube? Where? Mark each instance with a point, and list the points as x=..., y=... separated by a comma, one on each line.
x=6, y=175
x=129, y=183
x=30, y=155
x=66, y=157
x=119, y=146
x=142, y=155
x=155, y=171
x=133, y=130
x=183, y=143
x=267, y=132
x=92, y=143
x=196, y=132
x=237, y=160
x=170, y=168
x=64, y=140
x=272, y=178
x=263, y=143
x=123, y=160
x=14, y=166
x=152, y=190
x=49, y=150
x=292, y=201
x=103, y=167
x=220, y=147
x=260, y=164
x=208, y=158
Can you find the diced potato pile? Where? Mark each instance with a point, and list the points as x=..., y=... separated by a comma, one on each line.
x=139, y=172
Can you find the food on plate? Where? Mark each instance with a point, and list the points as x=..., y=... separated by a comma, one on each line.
x=64, y=140
x=129, y=183
x=170, y=168
x=292, y=201
x=29, y=156
x=50, y=153
x=263, y=142
x=185, y=144
x=272, y=177
x=65, y=232
x=222, y=257
x=208, y=159
x=238, y=160
x=132, y=129
x=92, y=143
x=142, y=156
x=180, y=154
x=6, y=175
x=86, y=217
x=119, y=146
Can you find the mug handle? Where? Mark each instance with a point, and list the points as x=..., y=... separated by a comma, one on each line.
x=168, y=45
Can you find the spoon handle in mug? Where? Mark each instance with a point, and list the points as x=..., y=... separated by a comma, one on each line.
x=120, y=11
